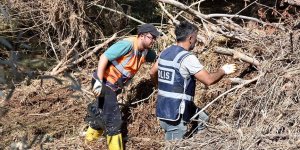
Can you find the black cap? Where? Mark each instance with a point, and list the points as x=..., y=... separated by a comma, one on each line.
x=148, y=28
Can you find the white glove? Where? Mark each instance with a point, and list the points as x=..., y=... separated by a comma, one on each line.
x=97, y=87
x=229, y=68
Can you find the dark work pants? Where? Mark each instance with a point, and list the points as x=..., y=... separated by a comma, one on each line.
x=111, y=112
x=105, y=113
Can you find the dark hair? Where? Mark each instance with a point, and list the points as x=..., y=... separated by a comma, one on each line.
x=183, y=30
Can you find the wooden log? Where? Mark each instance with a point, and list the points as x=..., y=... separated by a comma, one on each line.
x=237, y=55
x=293, y=2
x=210, y=16
x=237, y=80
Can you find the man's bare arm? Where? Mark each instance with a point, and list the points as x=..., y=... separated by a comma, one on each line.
x=153, y=73
x=209, y=78
x=101, y=66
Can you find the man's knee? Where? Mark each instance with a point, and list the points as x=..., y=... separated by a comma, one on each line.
x=174, y=130
x=176, y=134
x=94, y=116
x=114, y=127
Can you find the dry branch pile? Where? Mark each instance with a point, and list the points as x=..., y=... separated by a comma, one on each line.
x=261, y=112
x=66, y=31
x=257, y=109
x=260, y=115
x=257, y=115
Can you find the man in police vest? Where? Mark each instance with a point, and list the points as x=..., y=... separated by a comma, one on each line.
x=117, y=65
x=175, y=71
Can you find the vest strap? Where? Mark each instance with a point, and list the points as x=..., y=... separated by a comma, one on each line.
x=175, y=62
x=180, y=55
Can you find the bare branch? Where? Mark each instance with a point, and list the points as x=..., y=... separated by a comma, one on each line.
x=236, y=16
x=293, y=2
x=237, y=80
x=144, y=98
x=210, y=16
x=237, y=55
x=121, y=13
x=234, y=88
x=184, y=7
x=95, y=50
x=63, y=61
x=168, y=14
x=52, y=46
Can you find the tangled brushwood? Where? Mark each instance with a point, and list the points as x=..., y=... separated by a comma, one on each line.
x=255, y=108
x=259, y=115
x=64, y=30
x=63, y=23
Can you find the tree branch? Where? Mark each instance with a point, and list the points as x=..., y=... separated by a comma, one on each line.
x=234, y=88
x=237, y=55
x=95, y=50
x=121, y=13
x=210, y=16
x=184, y=7
x=169, y=14
x=293, y=2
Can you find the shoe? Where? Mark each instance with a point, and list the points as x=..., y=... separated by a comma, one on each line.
x=92, y=134
x=115, y=142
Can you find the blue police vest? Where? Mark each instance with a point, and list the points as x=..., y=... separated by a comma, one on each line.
x=173, y=89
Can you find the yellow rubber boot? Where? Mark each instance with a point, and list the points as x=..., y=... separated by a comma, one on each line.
x=92, y=134
x=115, y=142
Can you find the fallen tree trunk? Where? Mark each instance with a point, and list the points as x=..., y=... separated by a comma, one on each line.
x=210, y=16
x=237, y=55
x=225, y=25
x=293, y=2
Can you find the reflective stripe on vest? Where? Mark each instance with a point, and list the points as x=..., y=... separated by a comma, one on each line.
x=120, y=66
x=125, y=67
x=175, y=95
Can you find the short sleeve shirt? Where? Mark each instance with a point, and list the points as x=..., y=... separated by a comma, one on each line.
x=190, y=65
x=121, y=48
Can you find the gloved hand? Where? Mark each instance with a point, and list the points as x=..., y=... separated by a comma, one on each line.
x=97, y=87
x=229, y=68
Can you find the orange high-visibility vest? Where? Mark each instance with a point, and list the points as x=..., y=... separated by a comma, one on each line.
x=125, y=67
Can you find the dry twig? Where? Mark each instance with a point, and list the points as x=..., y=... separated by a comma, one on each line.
x=70, y=64
x=234, y=88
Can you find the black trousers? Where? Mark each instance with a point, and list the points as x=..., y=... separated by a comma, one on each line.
x=104, y=113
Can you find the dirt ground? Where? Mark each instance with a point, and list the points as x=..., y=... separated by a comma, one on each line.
x=48, y=115
x=36, y=116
